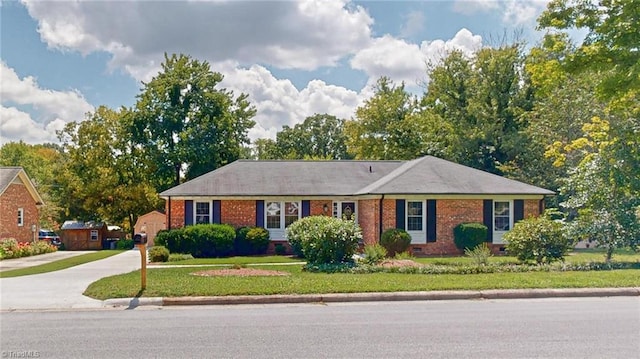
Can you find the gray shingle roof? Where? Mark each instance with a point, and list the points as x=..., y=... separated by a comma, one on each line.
x=426, y=175
x=7, y=175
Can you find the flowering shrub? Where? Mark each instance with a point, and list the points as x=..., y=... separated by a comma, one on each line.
x=11, y=248
x=325, y=240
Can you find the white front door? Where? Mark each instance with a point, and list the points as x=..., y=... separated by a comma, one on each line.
x=502, y=219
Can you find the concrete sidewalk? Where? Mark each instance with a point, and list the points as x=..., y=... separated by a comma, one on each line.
x=63, y=289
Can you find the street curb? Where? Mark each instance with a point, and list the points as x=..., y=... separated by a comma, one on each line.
x=375, y=297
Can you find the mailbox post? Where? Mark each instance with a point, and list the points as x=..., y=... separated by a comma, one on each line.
x=140, y=240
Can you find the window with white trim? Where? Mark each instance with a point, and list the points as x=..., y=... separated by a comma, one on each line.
x=203, y=213
x=501, y=215
x=279, y=215
x=94, y=235
x=415, y=215
x=20, y=217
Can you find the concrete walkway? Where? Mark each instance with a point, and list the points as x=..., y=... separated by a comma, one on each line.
x=24, y=262
x=63, y=289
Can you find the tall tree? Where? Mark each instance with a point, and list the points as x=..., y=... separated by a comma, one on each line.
x=105, y=178
x=318, y=136
x=383, y=127
x=186, y=124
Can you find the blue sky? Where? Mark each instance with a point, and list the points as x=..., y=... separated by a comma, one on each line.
x=60, y=60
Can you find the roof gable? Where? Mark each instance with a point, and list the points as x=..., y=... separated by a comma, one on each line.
x=9, y=175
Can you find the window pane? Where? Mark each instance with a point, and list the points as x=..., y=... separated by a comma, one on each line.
x=502, y=223
x=291, y=214
x=273, y=214
x=414, y=216
x=202, y=212
x=502, y=216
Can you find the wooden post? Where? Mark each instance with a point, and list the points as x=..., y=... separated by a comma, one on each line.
x=143, y=265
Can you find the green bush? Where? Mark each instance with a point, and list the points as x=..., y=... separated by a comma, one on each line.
x=538, y=238
x=158, y=254
x=395, y=240
x=469, y=235
x=325, y=240
x=200, y=240
x=480, y=254
x=374, y=253
x=280, y=249
x=11, y=248
x=124, y=244
x=177, y=257
x=251, y=240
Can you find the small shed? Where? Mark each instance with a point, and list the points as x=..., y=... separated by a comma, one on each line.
x=77, y=235
x=151, y=223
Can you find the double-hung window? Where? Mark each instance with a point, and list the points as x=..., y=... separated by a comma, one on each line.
x=20, y=217
x=501, y=215
x=415, y=215
x=203, y=212
x=279, y=215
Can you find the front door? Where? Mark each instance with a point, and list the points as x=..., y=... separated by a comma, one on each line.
x=344, y=210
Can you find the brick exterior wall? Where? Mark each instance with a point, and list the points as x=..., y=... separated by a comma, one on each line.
x=238, y=213
x=369, y=219
x=177, y=213
x=17, y=196
x=317, y=207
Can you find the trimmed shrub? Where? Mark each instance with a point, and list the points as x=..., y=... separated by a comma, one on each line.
x=200, y=240
x=469, y=235
x=374, y=253
x=280, y=249
x=124, y=244
x=158, y=254
x=251, y=240
x=395, y=240
x=325, y=240
x=538, y=238
x=176, y=257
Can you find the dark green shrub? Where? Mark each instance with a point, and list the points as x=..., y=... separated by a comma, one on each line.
x=469, y=235
x=325, y=240
x=251, y=240
x=200, y=240
x=158, y=254
x=395, y=240
x=124, y=244
x=280, y=249
x=538, y=238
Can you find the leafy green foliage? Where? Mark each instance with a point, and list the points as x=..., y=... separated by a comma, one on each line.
x=469, y=235
x=158, y=254
x=480, y=254
x=325, y=240
x=11, y=248
x=541, y=239
x=251, y=240
x=200, y=240
x=124, y=244
x=182, y=119
x=374, y=253
x=395, y=240
x=177, y=257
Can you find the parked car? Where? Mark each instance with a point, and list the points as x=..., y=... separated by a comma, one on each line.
x=49, y=236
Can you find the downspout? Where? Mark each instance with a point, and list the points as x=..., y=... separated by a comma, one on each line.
x=380, y=219
x=169, y=214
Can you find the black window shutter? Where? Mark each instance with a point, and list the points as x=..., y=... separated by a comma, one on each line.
x=400, y=213
x=216, y=212
x=306, y=208
x=487, y=218
x=188, y=213
x=518, y=210
x=431, y=220
x=260, y=214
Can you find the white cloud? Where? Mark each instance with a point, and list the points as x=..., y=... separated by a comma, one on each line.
x=403, y=61
x=299, y=35
x=514, y=12
x=49, y=111
x=414, y=24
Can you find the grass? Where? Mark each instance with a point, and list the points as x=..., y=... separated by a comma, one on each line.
x=236, y=260
x=176, y=282
x=60, y=264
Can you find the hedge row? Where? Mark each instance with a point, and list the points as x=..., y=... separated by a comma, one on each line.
x=214, y=240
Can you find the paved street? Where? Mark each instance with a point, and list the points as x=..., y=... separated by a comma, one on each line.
x=521, y=328
x=63, y=288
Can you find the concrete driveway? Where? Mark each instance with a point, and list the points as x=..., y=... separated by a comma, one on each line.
x=63, y=289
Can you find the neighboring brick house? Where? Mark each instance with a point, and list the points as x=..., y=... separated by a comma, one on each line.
x=427, y=197
x=151, y=223
x=19, y=205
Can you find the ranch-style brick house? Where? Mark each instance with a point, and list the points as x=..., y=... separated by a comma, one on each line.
x=427, y=197
x=19, y=205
